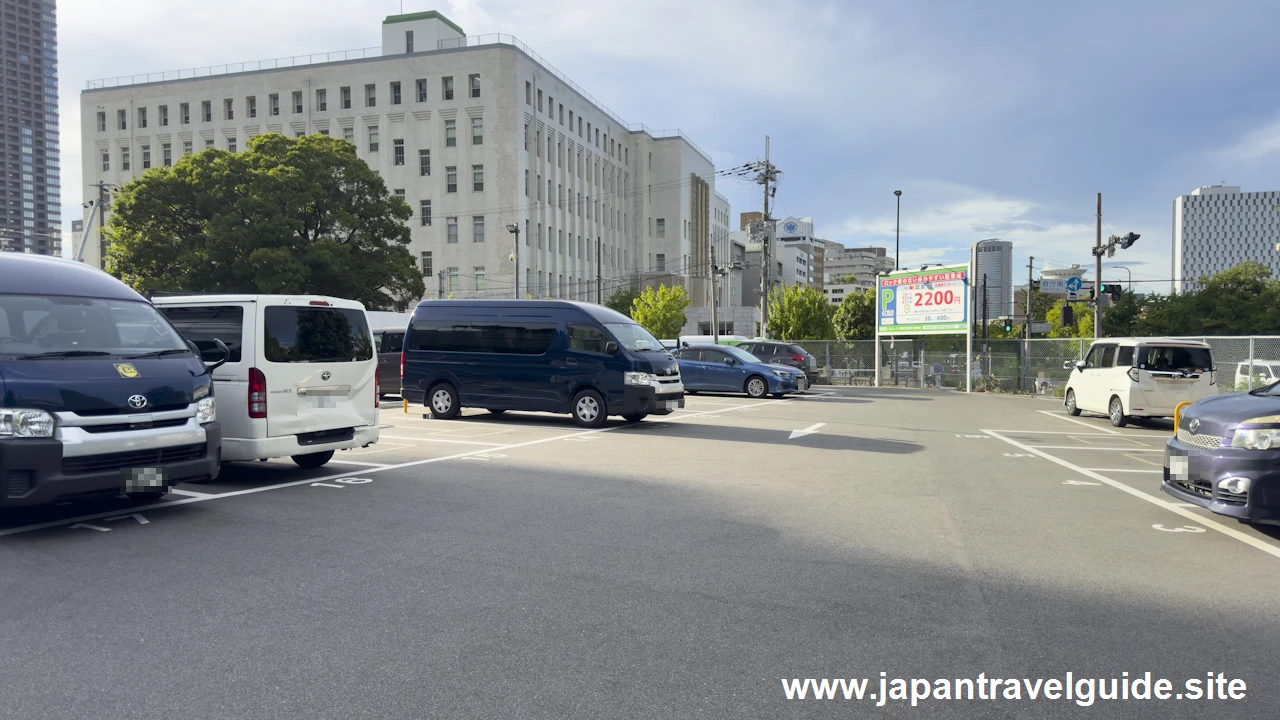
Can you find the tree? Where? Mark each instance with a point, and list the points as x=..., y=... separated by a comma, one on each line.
x=1244, y=300
x=1083, y=327
x=800, y=312
x=855, y=318
x=287, y=216
x=1120, y=319
x=622, y=299
x=661, y=310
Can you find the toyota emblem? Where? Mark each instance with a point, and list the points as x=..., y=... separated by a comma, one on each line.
x=325, y=375
x=137, y=402
x=1195, y=425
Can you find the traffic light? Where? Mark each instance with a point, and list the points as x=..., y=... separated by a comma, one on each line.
x=1008, y=324
x=1128, y=240
x=1068, y=315
x=1114, y=291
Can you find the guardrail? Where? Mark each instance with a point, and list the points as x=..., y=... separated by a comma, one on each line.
x=232, y=68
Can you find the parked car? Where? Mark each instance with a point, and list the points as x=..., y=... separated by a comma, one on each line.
x=99, y=394
x=721, y=368
x=1265, y=372
x=302, y=372
x=1225, y=455
x=1125, y=378
x=781, y=353
x=388, y=342
x=541, y=355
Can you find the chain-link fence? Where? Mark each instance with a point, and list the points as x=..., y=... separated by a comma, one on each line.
x=1039, y=366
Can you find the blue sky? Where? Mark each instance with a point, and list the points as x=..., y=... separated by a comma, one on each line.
x=994, y=119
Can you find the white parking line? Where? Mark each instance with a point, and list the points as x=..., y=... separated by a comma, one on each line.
x=308, y=481
x=356, y=462
x=1061, y=416
x=1154, y=500
x=190, y=493
x=1096, y=447
x=1124, y=470
x=443, y=440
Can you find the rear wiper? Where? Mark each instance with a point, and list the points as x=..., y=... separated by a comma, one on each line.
x=64, y=354
x=161, y=353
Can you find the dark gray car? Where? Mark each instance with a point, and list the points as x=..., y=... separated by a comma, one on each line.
x=389, y=342
x=780, y=353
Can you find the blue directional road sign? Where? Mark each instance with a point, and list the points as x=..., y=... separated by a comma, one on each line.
x=1073, y=287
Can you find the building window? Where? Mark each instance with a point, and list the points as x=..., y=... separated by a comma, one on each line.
x=479, y=276
x=395, y=93
x=206, y=110
x=450, y=133
x=273, y=104
x=408, y=41
x=451, y=179
x=662, y=228
x=528, y=93
x=370, y=95
x=322, y=100
x=422, y=90
x=662, y=262
x=106, y=161
x=477, y=131
x=539, y=186
x=424, y=210
x=208, y=143
x=122, y=120
x=186, y=147
x=451, y=230
x=561, y=110
x=424, y=162
x=251, y=106
x=537, y=143
x=477, y=229
x=426, y=256
x=446, y=87
x=373, y=138
x=349, y=134
x=526, y=183
x=146, y=157
x=297, y=102
x=453, y=279
x=166, y=151
x=398, y=148
x=474, y=82
x=344, y=95
x=102, y=121
x=231, y=144
x=399, y=193
x=477, y=178
x=184, y=113
x=539, y=101
x=142, y=117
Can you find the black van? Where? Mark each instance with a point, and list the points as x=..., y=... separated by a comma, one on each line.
x=541, y=355
x=99, y=394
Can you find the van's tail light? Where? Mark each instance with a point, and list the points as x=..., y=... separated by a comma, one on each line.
x=377, y=386
x=257, y=394
x=1133, y=374
x=402, y=367
x=798, y=358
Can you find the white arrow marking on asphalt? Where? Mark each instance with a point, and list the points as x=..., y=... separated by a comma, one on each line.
x=87, y=526
x=320, y=484
x=141, y=520
x=807, y=431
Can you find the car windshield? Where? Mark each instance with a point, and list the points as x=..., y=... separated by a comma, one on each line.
x=1174, y=358
x=634, y=337
x=739, y=353
x=1272, y=390
x=53, y=326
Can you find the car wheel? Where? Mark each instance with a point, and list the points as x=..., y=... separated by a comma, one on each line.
x=444, y=402
x=1072, y=408
x=149, y=496
x=757, y=387
x=635, y=417
x=1116, y=413
x=589, y=409
x=313, y=460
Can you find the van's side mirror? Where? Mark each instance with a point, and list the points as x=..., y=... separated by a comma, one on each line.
x=1080, y=365
x=226, y=355
x=611, y=348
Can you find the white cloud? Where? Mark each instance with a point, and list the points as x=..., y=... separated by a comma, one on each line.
x=1257, y=144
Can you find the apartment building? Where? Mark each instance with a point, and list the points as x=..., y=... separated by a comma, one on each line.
x=1216, y=227
x=475, y=133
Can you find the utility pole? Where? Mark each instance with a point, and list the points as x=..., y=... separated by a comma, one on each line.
x=440, y=284
x=599, y=280
x=715, y=326
x=1097, y=274
x=1030, y=264
x=768, y=174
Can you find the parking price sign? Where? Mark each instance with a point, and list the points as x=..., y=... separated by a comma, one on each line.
x=925, y=302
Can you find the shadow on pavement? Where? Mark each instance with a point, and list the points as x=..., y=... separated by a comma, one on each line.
x=729, y=433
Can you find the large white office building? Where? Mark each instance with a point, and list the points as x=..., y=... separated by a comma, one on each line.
x=994, y=259
x=474, y=133
x=1217, y=227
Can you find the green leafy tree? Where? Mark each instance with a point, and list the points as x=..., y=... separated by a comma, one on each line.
x=1083, y=327
x=1121, y=319
x=855, y=318
x=800, y=312
x=287, y=215
x=1244, y=300
x=661, y=310
x=623, y=299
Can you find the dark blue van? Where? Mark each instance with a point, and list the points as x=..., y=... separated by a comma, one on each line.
x=99, y=394
x=542, y=355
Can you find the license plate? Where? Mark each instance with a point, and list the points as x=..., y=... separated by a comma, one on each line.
x=144, y=479
x=801, y=385
x=1179, y=468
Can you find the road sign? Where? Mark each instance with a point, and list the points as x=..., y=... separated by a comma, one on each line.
x=1040, y=327
x=926, y=302
x=1073, y=288
x=1053, y=287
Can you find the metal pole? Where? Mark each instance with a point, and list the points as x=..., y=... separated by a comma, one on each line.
x=878, y=363
x=599, y=279
x=1097, y=273
x=440, y=284
x=715, y=326
x=1026, y=344
x=516, y=254
x=897, y=236
x=765, y=247
x=1250, y=362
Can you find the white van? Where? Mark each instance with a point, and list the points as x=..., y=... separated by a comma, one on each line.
x=302, y=379
x=1265, y=372
x=1124, y=378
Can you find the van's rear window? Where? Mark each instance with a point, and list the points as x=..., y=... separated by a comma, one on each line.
x=1174, y=358
x=315, y=334
x=506, y=338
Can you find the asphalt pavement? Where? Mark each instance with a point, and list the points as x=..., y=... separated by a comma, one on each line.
x=517, y=566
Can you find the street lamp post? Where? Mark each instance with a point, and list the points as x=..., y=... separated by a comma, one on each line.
x=897, y=232
x=515, y=256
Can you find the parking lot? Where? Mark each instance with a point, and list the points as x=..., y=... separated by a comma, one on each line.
x=515, y=565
